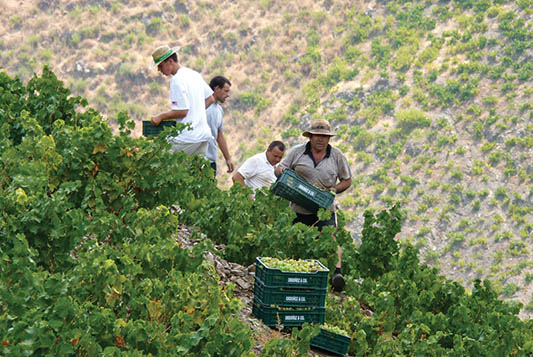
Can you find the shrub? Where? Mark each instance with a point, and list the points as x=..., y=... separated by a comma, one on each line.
x=407, y=120
x=253, y=100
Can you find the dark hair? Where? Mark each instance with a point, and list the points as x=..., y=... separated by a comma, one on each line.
x=219, y=81
x=276, y=144
x=173, y=57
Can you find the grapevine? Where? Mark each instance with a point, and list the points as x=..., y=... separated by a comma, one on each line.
x=90, y=264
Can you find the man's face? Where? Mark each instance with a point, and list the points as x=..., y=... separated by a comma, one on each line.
x=319, y=142
x=165, y=67
x=221, y=94
x=274, y=156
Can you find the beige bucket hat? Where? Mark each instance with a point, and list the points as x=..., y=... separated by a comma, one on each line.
x=319, y=127
x=162, y=53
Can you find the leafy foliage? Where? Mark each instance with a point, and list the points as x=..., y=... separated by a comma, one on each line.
x=90, y=264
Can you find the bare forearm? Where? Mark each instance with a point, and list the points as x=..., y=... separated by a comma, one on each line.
x=223, y=145
x=221, y=141
x=238, y=178
x=171, y=114
x=343, y=185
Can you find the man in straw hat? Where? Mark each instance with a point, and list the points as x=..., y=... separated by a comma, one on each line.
x=189, y=97
x=321, y=165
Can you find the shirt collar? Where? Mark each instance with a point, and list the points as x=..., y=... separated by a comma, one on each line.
x=308, y=149
x=308, y=152
x=264, y=156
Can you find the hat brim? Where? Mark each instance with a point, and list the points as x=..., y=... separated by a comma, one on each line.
x=308, y=133
x=164, y=57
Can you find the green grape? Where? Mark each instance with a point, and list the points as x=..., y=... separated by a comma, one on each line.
x=335, y=329
x=292, y=265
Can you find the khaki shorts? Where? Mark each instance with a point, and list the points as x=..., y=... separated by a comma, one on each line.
x=190, y=148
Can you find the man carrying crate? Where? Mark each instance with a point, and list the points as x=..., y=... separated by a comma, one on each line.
x=321, y=165
x=189, y=97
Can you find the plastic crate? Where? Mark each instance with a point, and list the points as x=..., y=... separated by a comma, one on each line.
x=287, y=318
x=150, y=129
x=288, y=296
x=276, y=278
x=295, y=189
x=331, y=342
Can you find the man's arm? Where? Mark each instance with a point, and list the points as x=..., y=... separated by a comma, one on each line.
x=223, y=145
x=343, y=185
x=279, y=170
x=209, y=100
x=171, y=114
x=237, y=177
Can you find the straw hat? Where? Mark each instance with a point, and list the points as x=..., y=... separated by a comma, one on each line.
x=319, y=127
x=162, y=53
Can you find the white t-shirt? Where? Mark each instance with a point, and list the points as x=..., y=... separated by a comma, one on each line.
x=188, y=91
x=214, y=120
x=257, y=171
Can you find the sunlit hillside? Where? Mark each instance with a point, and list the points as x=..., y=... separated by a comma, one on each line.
x=431, y=100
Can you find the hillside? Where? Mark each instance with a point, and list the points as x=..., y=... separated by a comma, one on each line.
x=431, y=100
x=113, y=245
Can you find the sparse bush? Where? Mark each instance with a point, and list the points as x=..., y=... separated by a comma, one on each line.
x=517, y=248
x=529, y=278
x=253, y=100
x=407, y=120
x=154, y=26
x=510, y=289
x=291, y=132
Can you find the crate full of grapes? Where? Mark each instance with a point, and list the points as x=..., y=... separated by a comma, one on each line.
x=282, y=317
x=332, y=339
x=291, y=273
x=288, y=296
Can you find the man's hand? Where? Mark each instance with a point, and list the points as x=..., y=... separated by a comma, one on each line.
x=156, y=120
x=279, y=170
x=230, y=165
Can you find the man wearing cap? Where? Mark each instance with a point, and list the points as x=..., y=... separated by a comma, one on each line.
x=189, y=97
x=221, y=88
x=325, y=167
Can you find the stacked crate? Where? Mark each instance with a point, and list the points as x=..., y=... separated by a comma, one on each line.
x=289, y=299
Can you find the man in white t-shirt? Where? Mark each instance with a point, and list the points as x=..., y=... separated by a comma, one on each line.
x=189, y=97
x=221, y=89
x=258, y=171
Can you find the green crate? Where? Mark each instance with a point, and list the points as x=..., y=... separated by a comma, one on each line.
x=295, y=189
x=289, y=297
x=150, y=129
x=331, y=342
x=276, y=317
x=276, y=278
